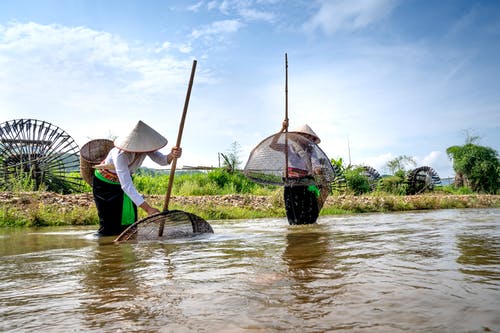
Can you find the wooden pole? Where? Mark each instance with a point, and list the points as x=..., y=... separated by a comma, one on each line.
x=286, y=116
x=178, y=144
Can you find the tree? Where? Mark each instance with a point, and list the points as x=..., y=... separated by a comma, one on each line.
x=400, y=163
x=476, y=166
x=231, y=158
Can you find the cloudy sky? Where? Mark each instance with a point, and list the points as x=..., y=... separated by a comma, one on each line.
x=375, y=79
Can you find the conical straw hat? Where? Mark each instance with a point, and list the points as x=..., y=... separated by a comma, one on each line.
x=141, y=139
x=305, y=129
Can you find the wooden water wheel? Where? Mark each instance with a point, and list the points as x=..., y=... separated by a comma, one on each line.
x=372, y=175
x=422, y=179
x=36, y=153
x=339, y=183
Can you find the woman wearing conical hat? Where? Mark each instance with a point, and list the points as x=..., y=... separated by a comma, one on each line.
x=303, y=197
x=115, y=195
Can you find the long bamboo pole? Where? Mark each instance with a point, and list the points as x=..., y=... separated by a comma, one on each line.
x=178, y=144
x=286, y=116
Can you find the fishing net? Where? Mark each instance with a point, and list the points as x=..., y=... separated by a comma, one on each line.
x=291, y=160
x=172, y=224
x=271, y=163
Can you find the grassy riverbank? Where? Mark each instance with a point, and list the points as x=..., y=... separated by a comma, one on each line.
x=51, y=209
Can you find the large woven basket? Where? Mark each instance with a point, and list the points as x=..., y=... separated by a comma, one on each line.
x=93, y=153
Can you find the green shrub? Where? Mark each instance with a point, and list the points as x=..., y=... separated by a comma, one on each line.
x=357, y=181
x=393, y=184
x=451, y=189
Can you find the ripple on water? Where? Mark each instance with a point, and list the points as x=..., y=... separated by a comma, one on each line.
x=417, y=271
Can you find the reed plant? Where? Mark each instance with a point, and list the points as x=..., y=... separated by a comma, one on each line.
x=19, y=182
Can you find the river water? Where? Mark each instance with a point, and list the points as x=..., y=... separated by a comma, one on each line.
x=432, y=271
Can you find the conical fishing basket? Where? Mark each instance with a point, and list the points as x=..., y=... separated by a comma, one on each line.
x=91, y=154
x=285, y=158
x=173, y=224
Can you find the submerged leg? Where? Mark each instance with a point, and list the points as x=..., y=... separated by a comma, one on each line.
x=301, y=205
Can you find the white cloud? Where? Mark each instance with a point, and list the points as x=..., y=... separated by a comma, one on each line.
x=406, y=98
x=85, y=57
x=164, y=47
x=336, y=15
x=54, y=45
x=378, y=162
x=217, y=28
x=93, y=81
x=212, y=5
x=439, y=161
x=196, y=6
x=246, y=10
x=185, y=48
x=251, y=14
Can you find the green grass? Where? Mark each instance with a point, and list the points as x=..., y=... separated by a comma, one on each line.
x=46, y=215
x=29, y=211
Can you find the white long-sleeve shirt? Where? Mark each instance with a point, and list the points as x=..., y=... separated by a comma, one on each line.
x=126, y=163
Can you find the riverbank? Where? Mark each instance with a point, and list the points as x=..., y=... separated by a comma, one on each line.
x=47, y=208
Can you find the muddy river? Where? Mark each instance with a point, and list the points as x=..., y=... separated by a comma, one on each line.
x=433, y=271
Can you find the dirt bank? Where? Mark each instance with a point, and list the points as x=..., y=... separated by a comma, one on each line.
x=24, y=199
x=357, y=203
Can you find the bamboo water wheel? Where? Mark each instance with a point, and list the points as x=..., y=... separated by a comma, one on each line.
x=422, y=179
x=339, y=183
x=372, y=175
x=37, y=153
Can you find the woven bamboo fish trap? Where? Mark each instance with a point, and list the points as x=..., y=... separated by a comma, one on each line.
x=267, y=163
x=91, y=154
x=176, y=224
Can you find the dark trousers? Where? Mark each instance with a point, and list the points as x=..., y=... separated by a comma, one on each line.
x=108, y=199
x=301, y=204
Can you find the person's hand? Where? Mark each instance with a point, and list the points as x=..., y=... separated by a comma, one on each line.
x=284, y=125
x=318, y=171
x=150, y=210
x=176, y=152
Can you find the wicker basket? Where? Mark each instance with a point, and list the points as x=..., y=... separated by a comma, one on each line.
x=93, y=153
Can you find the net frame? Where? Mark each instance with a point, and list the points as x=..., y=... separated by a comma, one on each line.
x=176, y=224
x=269, y=162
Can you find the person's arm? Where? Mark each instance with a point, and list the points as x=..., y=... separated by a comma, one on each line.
x=122, y=170
x=317, y=162
x=162, y=159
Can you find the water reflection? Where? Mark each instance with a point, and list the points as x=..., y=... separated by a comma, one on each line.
x=305, y=250
x=129, y=287
x=479, y=255
x=314, y=278
x=109, y=280
x=416, y=272
x=31, y=240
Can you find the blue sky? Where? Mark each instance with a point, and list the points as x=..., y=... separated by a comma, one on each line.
x=374, y=79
